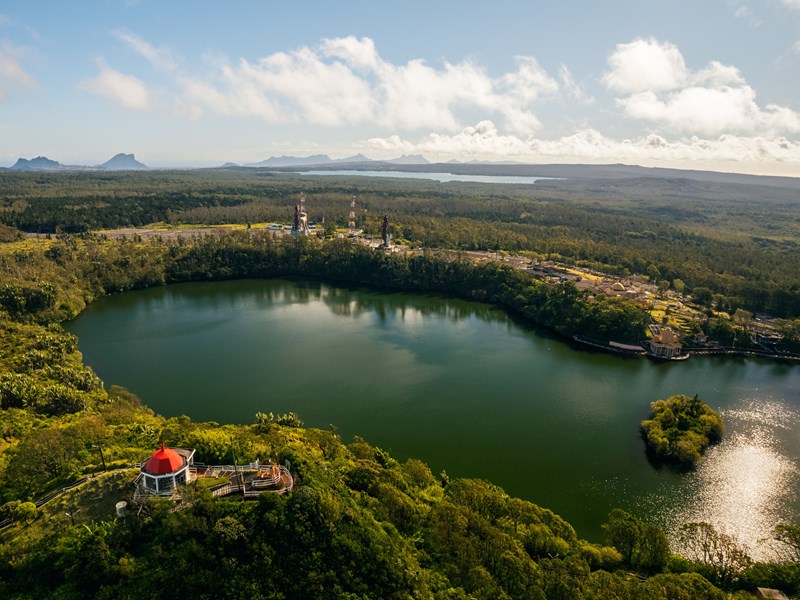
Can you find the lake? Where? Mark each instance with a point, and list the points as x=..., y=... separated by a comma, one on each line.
x=463, y=387
x=440, y=177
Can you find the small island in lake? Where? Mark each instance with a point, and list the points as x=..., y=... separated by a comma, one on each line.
x=681, y=428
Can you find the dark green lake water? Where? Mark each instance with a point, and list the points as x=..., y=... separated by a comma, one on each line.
x=463, y=387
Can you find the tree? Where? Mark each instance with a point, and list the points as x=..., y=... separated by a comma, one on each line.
x=789, y=535
x=721, y=557
x=653, y=548
x=622, y=532
x=290, y=419
x=20, y=511
x=702, y=295
x=43, y=455
x=26, y=512
x=643, y=546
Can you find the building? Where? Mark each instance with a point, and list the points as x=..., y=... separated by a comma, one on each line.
x=770, y=594
x=666, y=344
x=165, y=470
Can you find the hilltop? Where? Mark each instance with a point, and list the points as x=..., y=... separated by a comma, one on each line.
x=119, y=162
x=123, y=162
x=323, y=160
x=40, y=163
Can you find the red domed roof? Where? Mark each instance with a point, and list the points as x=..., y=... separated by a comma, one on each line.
x=162, y=461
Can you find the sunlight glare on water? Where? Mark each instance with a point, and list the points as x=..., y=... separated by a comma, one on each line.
x=463, y=387
x=744, y=486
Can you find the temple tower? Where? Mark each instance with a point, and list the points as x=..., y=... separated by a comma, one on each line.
x=351, y=222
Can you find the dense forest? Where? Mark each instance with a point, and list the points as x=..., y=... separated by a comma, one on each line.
x=359, y=523
x=739, y=244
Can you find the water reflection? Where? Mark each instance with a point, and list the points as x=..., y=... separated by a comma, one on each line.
x=356, y=302
x=463, y=387
x=745, y=486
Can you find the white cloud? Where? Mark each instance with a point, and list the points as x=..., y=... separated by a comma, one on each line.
x=480, y=141
x=572, y=87
x=711, y=111
x=484, y=142
x=645, y=65
x=529, y=81
x=357, y=52
x=742, y=10
x=345, y=81
x=716, y=74
x=126, y=90
x=159, y=58
x=12, y=75
x=658, y=87
x=792, y=3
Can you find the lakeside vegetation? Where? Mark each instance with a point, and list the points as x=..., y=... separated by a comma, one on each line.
x=681, y=428
x=359, y=524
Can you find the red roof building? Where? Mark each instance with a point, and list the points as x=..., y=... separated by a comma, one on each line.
x=162, y=461
x=166, y=469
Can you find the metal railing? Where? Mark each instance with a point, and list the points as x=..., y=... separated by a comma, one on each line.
x=221, y=490
x=45, y=499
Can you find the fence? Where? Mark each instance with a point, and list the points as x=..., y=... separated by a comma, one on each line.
x=221, y=490
x=45, y=499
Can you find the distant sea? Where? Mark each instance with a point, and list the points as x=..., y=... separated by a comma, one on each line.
x=442, y=177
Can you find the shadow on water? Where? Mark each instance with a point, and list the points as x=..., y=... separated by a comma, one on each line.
x=660, y=464
x=357, y=301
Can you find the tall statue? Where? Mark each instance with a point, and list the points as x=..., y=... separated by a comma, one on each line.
x=385, y=231
x=300, y=224
x=303, y=222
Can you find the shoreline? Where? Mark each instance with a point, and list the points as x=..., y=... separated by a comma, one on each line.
x=630, y=351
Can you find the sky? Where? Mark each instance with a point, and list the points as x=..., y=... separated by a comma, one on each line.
x=700, y=84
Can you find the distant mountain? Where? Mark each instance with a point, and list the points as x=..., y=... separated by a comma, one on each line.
x=358, y=158
x=123, y=162
x=409, y=159
x=40, y=163
x=229, y=165
x=321, y=160
x=293, y=161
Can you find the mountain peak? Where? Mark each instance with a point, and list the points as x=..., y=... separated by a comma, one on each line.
x=123, y=162
x=293, y=161
x=353, y=159
x=40, y=163
x=410, y=159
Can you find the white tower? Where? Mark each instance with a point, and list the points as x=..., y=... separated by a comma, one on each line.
x=352, y=219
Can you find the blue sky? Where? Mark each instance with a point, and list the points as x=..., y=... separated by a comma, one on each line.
x=711, y=84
